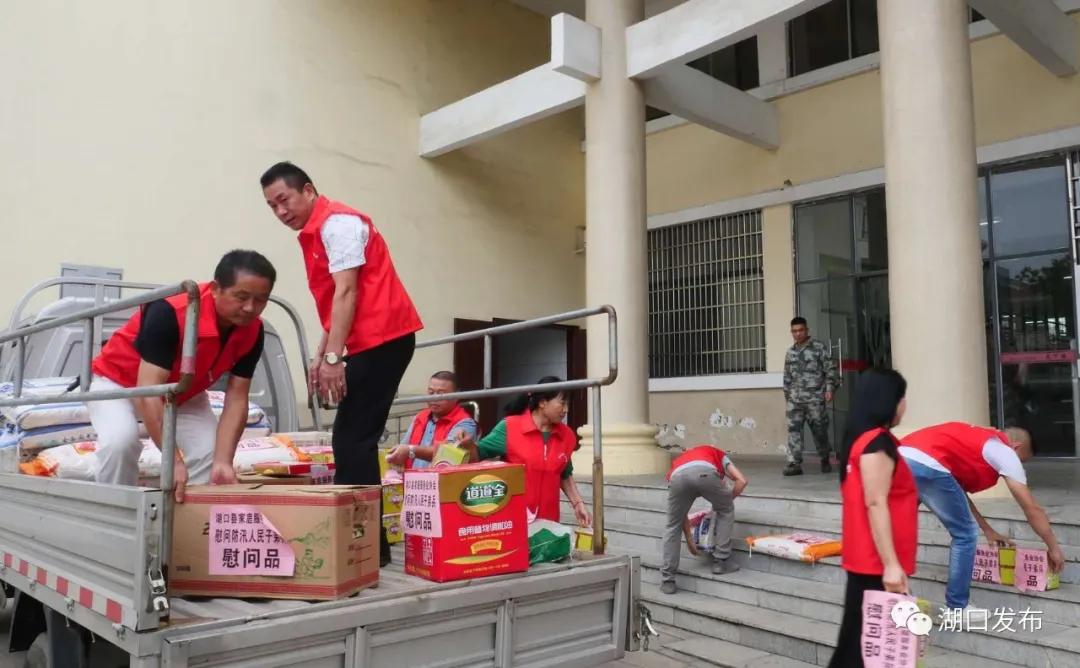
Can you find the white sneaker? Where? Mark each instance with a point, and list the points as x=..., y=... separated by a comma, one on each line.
x=976, y=615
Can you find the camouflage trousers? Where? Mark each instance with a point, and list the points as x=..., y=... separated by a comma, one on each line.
x=798, y=414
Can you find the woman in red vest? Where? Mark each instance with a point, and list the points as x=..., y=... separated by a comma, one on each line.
x=535, y=435
x=880, y=505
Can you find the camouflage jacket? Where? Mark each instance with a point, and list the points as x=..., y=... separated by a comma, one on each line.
x=809, y=372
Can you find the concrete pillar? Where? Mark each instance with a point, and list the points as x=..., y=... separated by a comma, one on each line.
x=935, y=263
x=615, y=255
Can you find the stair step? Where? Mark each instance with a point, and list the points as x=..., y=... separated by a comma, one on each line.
x=645, y=537
x=693, y=648
x=792, y=636
x=774, y=582
x=729, y=655
x=1003, y=514
x=810, y=636
x=653, y=520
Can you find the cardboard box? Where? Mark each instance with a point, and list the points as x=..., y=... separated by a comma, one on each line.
x=300, y=479
x=448, y=453
x=305, y=439
x=392, y=524
x=310, y=542
x=384, y=466
x=318, y=471
x=1008, y=577
x=465, y=521
x=583, y=539
x=392, y=497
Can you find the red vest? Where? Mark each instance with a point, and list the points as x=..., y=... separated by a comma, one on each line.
x=384, y=311
x=958, y=447
x=119, y=361
x=442, y=426
x=544, y=464
x=860, y=555
x=699, y=453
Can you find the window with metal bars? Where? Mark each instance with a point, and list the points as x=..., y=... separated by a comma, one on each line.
x=707, y=297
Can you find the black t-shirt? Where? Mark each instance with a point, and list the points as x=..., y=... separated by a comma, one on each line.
x=883, y=442
x=158, y=340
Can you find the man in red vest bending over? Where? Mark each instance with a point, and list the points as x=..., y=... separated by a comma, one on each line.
x=146, y=351
x=950, y=461
x=369, y=322
x=440, y=422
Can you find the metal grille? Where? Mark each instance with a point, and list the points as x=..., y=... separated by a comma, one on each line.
x=706, y=297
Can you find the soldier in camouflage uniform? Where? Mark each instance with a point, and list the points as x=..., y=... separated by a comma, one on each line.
x=810, y=379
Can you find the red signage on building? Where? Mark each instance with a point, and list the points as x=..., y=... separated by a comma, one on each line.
x=1039, y=357
x=854, y=365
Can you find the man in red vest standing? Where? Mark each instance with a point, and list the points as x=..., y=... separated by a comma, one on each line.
x=146, y=351
x=950, y=461
x=442, y=421
x=369, y=322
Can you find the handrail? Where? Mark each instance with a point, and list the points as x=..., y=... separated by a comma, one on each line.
x=99, y=297
x=488, y=333
x=584, y=383
x=169, y=391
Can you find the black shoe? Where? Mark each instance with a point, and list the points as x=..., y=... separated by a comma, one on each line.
x=826, y=466
x=793, y=469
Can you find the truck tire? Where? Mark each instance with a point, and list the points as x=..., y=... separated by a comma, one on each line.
x=38, y=654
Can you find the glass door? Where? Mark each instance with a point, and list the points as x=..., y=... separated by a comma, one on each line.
x=842, y=287
x=1031, y=301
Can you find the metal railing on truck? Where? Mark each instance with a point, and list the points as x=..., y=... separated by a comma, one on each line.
x=94, y=332
x=99, y=553
x=593, y=384
x=96, y=553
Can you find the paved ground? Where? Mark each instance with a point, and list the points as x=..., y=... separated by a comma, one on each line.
x=8, y=660
x=1055, y=483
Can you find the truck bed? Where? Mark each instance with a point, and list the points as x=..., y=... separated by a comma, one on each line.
x=573, y=614
x=393, y=582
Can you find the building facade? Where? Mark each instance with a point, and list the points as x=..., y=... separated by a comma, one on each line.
x=823, y=251
x=902, y=174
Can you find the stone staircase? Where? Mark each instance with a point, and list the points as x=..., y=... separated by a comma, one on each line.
x=781, y=613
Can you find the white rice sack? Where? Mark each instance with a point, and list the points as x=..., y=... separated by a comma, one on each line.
x=76, y=461
x=252, y=451
x=256, y=431
x=49, y=437
x=43, y=415
x=149, y=460
x=217, y=404
x=798, y=546
x=704, y=531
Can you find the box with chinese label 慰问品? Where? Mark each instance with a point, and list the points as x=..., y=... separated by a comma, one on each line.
x=310, y=542
x=464, y=522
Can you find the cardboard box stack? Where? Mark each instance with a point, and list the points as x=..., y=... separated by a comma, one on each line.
x=465, y=521
x=309, y=542
x=393, y=493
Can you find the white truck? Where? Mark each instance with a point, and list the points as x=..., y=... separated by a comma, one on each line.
x=88, y=564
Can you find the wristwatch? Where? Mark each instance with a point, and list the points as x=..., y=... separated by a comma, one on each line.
x=331, y=358
x=412, y=452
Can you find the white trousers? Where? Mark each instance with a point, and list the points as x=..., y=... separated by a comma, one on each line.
x=117, y=425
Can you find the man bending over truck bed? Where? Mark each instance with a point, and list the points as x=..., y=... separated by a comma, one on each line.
x=146, y=351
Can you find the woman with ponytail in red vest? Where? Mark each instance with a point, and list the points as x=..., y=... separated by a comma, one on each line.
x=535, y=435
x=880, y=505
